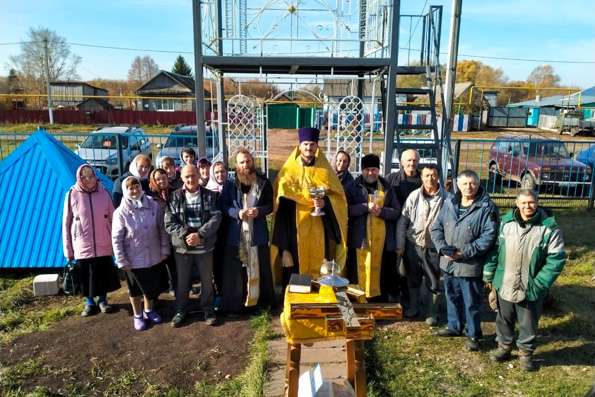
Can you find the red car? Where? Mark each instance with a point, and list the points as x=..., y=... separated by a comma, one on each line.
x=539, y=163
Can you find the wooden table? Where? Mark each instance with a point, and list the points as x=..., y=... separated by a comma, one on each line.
x=328, y=314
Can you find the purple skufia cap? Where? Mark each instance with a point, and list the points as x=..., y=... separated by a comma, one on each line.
x=308, y=134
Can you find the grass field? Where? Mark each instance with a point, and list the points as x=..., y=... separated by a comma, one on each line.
x=407, y=359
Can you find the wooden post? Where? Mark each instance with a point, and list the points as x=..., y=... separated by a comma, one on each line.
x=360, y=368
x=350, y=362
x=292, y=371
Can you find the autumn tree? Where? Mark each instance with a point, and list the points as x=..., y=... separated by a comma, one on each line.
x=479, y=73
x=122, y=88
x=259, y=89
x=30, y=63
x=181, y=67
x=142, y=69
x=543, y=76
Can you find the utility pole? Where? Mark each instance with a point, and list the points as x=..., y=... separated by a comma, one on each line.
x=47, y=75
x=451, y=76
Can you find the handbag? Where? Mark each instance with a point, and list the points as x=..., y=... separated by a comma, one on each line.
x=71, y=283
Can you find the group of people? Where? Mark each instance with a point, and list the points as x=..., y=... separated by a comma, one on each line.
x=403, y=238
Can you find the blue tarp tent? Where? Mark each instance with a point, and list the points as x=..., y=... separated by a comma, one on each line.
x=33, y=182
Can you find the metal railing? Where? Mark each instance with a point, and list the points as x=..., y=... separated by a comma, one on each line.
x=111, y=154
x=561, y=171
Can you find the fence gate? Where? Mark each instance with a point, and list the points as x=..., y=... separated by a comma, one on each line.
x=349, y=129
x=246, y=128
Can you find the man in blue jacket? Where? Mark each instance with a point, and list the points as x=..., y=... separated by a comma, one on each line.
x=463, y=234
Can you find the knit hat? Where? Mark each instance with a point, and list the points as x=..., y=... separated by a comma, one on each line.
x=370, y=160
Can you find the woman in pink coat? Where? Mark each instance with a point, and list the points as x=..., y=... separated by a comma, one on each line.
x=86, y=237
x=140, y=247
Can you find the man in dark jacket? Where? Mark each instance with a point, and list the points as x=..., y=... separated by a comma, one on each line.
x=246, y=203
x=522, y=268
x=192, y=219
x=373, y=219
x=463, y=234
x=408, y=178
x=405, y=181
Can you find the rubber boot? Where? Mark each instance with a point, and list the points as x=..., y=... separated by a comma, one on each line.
x=414, y=299
x=433, y=308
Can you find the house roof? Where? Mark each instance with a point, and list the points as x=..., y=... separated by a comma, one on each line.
x=70, y=83
x=33, y=182
x=100, y=101
x=585, y=96
x=185, y=81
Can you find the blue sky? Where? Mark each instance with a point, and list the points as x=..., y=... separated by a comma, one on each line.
x=536, y=29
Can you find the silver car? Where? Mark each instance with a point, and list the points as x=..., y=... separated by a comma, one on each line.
x=100, y=148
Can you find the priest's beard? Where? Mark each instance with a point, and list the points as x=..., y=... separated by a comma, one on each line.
x=246, y=177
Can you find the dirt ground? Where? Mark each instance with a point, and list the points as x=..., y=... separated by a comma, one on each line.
x=91, y=351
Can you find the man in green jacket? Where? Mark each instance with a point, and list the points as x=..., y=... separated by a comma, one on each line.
x=522, y=267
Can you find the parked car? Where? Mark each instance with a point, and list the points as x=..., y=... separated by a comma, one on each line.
x=538, y=163
x=100, y=148
x=185, y=136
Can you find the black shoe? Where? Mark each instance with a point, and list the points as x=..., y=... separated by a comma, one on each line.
x=527, y=363
x=89, y=310
x=210, y=318
x=500, y=354
x=178, y=319
x=472, y=344
x=447, y=332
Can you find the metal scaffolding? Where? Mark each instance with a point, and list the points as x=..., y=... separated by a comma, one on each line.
x=351, y=39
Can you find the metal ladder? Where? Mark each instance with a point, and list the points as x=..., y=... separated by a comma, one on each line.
x=434, y=143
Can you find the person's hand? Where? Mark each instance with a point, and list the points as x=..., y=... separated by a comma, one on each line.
x=286, y=259
x=488, y=286
x=243, y=215
x=70, y=258
x=376, y=210
x=455, y=256
x=252, y=212
x=400, y=252
x=318, y=202
x=193, y=239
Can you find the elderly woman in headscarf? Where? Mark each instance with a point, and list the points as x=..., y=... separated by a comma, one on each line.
x=139, y=168
x=140, y=247
x=86, y=238
x=218, y=177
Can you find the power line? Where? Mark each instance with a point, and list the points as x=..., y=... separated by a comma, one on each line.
x=321, y=52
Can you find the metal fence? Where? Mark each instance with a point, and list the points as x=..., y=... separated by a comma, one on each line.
x=111, y=153
x=560, y=170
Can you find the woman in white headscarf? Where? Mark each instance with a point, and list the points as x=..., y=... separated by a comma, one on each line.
x=141, y=245
x=218, y=178
x=140, y=167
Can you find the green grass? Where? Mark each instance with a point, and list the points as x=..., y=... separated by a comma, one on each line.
x=407, y=359
x=19, y=315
